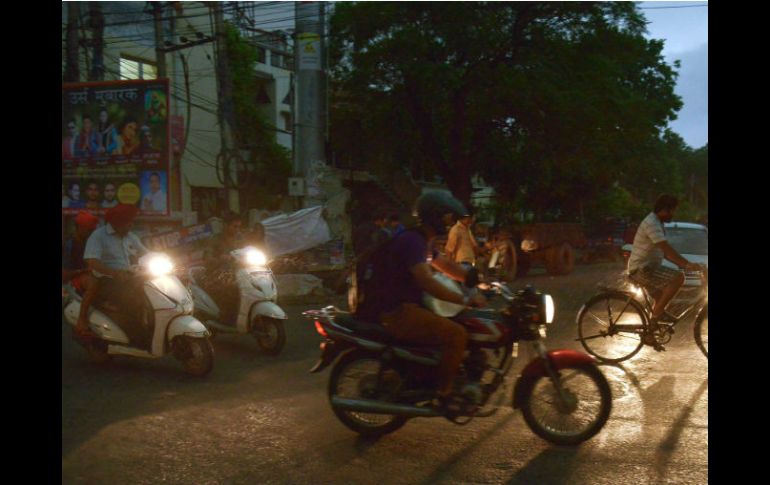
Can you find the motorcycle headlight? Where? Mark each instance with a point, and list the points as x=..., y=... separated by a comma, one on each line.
x=549, y=307
x=255, y=257
x=160, y=265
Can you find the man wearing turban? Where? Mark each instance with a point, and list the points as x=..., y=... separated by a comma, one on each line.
x=108, y=254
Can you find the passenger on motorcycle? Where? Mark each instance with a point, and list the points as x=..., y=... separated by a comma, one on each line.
x=650, y=247
x=108, y=255
x=400, y=273
x=74, y=268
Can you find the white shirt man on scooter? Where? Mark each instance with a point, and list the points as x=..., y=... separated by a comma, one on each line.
x=107, y=254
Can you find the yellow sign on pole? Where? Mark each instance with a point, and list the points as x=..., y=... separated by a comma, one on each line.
x=309, y=52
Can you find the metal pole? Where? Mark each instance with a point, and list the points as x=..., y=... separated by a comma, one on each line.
x=160, y=55
x=72, y=69
x=97, y=25
x=226, y=113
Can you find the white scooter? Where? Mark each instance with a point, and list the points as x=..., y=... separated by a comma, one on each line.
x=258, y=313
x=176, y=331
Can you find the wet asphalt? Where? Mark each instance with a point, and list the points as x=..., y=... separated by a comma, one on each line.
x=258, y=419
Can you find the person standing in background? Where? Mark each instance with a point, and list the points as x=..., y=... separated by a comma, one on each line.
x=461, y=246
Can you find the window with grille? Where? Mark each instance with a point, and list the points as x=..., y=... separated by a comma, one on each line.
x=132, y=68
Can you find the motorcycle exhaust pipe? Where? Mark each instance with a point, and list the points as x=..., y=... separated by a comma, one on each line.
x=379, y=407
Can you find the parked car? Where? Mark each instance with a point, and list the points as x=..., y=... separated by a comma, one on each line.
x=690, y=240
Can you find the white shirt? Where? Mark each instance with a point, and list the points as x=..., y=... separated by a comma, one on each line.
x=155, y=201
x=645, y=252
x=111, y=249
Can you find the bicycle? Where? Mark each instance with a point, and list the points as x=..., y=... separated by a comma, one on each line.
x=614, y=324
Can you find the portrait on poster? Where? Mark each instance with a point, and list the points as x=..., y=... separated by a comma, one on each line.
x=154, y=186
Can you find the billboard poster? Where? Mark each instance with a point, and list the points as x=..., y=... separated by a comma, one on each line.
x=115, y=146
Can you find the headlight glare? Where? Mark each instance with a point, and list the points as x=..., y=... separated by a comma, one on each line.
x=255, y=257
x=160, y=266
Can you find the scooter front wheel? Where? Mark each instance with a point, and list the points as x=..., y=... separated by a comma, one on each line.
x=97, y=351
x=270, y=335
x=196, y=354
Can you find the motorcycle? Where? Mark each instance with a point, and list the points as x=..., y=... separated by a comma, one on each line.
x=258, y=313
x=170, y=307
x=379, y=383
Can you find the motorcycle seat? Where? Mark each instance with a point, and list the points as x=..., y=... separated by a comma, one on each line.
x=371, y=330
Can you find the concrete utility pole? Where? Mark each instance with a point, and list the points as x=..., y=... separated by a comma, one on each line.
x=225, y=111
x=72, y=68
x=160, y=55
x=310, y=125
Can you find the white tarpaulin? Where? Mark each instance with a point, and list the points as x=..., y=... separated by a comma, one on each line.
x=295, y=232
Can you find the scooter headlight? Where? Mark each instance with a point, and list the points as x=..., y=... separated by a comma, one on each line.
x=255, y=257
x=160, y=265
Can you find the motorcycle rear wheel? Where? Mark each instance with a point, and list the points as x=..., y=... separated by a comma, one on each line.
x=345, y=383
x=589, y=406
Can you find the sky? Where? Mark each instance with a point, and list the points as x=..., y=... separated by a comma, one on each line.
x=685, y=32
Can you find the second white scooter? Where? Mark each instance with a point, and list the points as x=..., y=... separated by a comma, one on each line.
x=258, y=313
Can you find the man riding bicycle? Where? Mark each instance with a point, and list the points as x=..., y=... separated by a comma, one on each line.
x=645, y=263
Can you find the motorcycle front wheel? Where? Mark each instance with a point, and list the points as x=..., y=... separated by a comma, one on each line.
x=576, y=415
x=355, y=377
x=270, y=335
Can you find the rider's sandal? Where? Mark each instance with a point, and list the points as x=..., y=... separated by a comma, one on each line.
x=83, y=335
x=451, y=405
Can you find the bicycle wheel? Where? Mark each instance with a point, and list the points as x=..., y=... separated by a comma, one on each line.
x=702, y=332
x=610, y=326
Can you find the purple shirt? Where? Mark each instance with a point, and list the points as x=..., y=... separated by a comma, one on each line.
x=392, y=283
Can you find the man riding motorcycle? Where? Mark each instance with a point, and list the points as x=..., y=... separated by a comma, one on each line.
x=398, y=275
x=108, y=255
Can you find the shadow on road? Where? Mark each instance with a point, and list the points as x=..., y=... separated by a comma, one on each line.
x=96, y=396
x=669, y=444
x=444, y=471
x=551, y=466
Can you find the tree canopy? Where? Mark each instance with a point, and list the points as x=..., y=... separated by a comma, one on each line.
x=552, y=103
x=269, y=163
